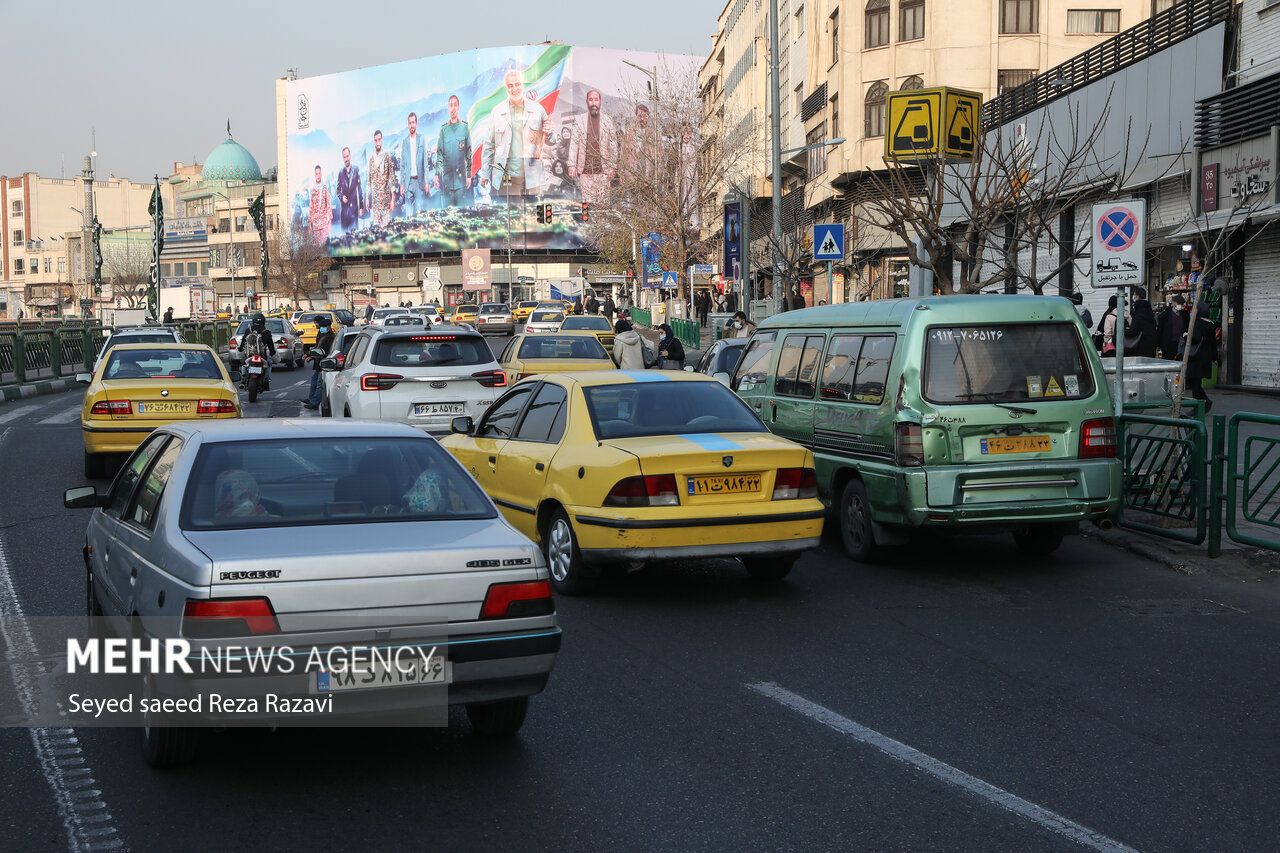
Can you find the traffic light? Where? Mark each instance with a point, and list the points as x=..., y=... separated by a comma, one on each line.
x=542, y=214
x=584, y=211
x=549, y=214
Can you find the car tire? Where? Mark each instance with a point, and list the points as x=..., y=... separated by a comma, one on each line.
x=1037, y=540
x=94, y=465
x=498, y=718
x=769, y=569
x=855, y=523
x=167, y=746
x=568, y=571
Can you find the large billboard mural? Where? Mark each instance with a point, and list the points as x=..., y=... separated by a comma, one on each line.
x=458, y=151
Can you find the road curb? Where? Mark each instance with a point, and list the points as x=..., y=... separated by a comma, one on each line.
x=13, y=393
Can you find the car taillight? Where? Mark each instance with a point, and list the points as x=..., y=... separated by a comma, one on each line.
x=1098, y=439
x=379, y=381
x=228, y=617
x=215, y=407
x=908, y=445
x=491, y=378
x=525, y=376
x=526, y=598
x=283, y=342
x=658, y=490
x=794, y=483
x=110, y=407
x=232, y=343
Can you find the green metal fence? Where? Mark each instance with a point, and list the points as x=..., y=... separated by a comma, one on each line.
x=686, y=331
x=640, y=315
x=1164, y=483
x=1252, y=480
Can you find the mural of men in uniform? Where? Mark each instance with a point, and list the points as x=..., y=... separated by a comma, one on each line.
x=593, y=151
x=413, y=170
x=512, y=152
x=453, y=158
x=350, y=193
x=381, y=194
x=640, y=146
x=321, y=218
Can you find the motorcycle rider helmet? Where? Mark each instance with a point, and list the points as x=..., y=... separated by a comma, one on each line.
x=258, y=322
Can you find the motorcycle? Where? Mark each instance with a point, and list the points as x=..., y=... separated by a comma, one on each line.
x=254, y=377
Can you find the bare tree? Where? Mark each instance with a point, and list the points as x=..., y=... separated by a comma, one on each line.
x=126, y=266
x=668, y=172
x=295, y=265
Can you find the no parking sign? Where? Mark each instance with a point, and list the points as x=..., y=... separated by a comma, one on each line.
x=1119, y=242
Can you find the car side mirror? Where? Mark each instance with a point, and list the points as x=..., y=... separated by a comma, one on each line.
x=722, y=378
x=316, y=353
x=330, y=363
x=84, y=497
x=688, y=368
x=462, y=426
x=84, y=378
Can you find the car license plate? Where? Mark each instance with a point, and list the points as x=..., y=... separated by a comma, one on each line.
x=387, y=673
x=721, y=484
x=253, y=369
x=420, y=409
x=1017, y=444
x=164, y=407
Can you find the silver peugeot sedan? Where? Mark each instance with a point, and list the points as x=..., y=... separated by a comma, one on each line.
x=316, y=535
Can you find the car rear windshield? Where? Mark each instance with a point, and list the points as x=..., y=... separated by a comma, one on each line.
x=599, y=324
x=311, y=481
x=547, y=316
x=494, y=309
x=121, y=340
x=1006, y=362
x=575, y=346
x=667, y=408
x=431, y=351
x=161, y=364
x=274, y=325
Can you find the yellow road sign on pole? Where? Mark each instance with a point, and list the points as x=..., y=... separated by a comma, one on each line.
x=925, y=124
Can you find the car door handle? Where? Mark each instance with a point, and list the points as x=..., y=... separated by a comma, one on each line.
x=773, y=412
x=492, y=460
x=539, y=467
x=133, y=575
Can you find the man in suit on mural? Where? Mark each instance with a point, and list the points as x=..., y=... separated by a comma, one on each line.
x=350, y=193
x=413, y=170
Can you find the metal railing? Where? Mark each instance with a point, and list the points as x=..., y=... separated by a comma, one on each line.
x=1165, y=490
x=1252, y=480
x=686, y=331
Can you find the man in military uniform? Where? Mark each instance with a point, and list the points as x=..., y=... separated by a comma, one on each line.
x=453, y=158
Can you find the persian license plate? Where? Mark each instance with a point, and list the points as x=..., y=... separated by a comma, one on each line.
x=1017, y=444
x=253, y=369
x=370, y=675
x=164, y=407
x=724, y=484
x=420, y=409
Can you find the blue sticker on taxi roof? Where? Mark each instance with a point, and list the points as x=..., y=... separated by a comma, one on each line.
x=645, y=375
x=712, y=442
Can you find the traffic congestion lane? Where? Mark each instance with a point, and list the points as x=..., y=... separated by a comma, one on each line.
x=1039, y=677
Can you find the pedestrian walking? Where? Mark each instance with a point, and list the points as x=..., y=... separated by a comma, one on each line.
x=628, y=348
x=1203, y=341
x=577, y=305
x=670, y=349
x=624, y=322
x=1086, y=317
x=1140, y=331
x=324, y=341
x=168, y=315
x=1170, y=328
x=609, y=307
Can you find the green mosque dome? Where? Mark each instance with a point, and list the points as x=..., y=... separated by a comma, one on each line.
x=230, y=161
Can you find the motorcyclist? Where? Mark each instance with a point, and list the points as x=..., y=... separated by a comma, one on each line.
x=259, y=340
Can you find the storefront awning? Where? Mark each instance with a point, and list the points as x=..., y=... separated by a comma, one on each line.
x=1208, y=223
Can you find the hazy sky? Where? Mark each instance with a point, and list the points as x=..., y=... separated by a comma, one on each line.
x=158, y=80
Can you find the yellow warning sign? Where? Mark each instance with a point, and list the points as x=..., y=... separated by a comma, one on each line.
x=925, y=124
x=1054, y=389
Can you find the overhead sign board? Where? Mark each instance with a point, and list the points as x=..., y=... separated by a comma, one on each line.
x=828, y=242
x=475, y=269
x=927, y=124
x=1119, y=241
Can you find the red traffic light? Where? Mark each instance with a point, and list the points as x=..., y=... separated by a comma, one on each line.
x=584, y=211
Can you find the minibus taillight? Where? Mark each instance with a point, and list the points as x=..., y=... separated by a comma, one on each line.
x=907, y=445
x=1098, y=439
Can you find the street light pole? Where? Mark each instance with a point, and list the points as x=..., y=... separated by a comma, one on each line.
x=775, y=122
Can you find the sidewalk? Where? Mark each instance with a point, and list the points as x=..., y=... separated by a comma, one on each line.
x=35, y=388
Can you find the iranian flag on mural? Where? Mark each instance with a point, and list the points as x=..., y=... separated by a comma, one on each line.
x=541, y=84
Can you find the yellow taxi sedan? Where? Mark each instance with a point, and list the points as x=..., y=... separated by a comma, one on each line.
x=464, y=313
x=307, y=330
x=139, y=387
x=523, y=309
x=626, y=466
x=595, y=324
x=527, y=355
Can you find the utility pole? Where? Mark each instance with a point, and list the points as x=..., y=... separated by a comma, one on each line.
x=775, y=123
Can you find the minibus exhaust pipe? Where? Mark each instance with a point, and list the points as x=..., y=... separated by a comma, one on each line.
x=1104, y=523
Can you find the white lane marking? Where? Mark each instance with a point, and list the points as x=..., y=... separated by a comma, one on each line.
x=67, y=416
x=83, y=812
x=945, y=772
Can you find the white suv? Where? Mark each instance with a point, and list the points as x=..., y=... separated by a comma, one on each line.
x=423, y=377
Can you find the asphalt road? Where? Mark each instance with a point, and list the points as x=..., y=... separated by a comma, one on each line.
x=956, y=697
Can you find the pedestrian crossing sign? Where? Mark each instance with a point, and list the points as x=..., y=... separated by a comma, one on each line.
x=669, y=278
x=828, y=242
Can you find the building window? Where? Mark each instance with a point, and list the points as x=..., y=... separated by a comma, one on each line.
x=818, y=155
x=48, y=265
x=1158, y=6
x=833, y=25
x=797, y=29
x=911, y=83
x=17, y=208
x=224, y=225
x=876, y=96
x=1090, y=21
x=191, y=267
x=62, y=266
x=204, y=268
x=17, y=237
x=911, y=20
x=1019, y=17
x=241, y=222
x=1011, y=78
x=164, y=271
x=799, y=93
x=877, y=23
x=19, y=266
x=835, y=116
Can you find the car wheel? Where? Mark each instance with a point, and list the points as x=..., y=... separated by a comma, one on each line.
x=769, y=568
x=1037, y=540
x=498, y=718
x=94, y=465
x=166, y=746
x=568, y=573
x=855, y=522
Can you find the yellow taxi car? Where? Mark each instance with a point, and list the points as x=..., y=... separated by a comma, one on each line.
x=527, y=355
x=139, y=387
x=595, y=324
x=523, y=309
x=464, y=314
x=306, y=326
x=626, y=466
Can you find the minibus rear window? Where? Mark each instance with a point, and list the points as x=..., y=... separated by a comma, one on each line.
x=1006, y=362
